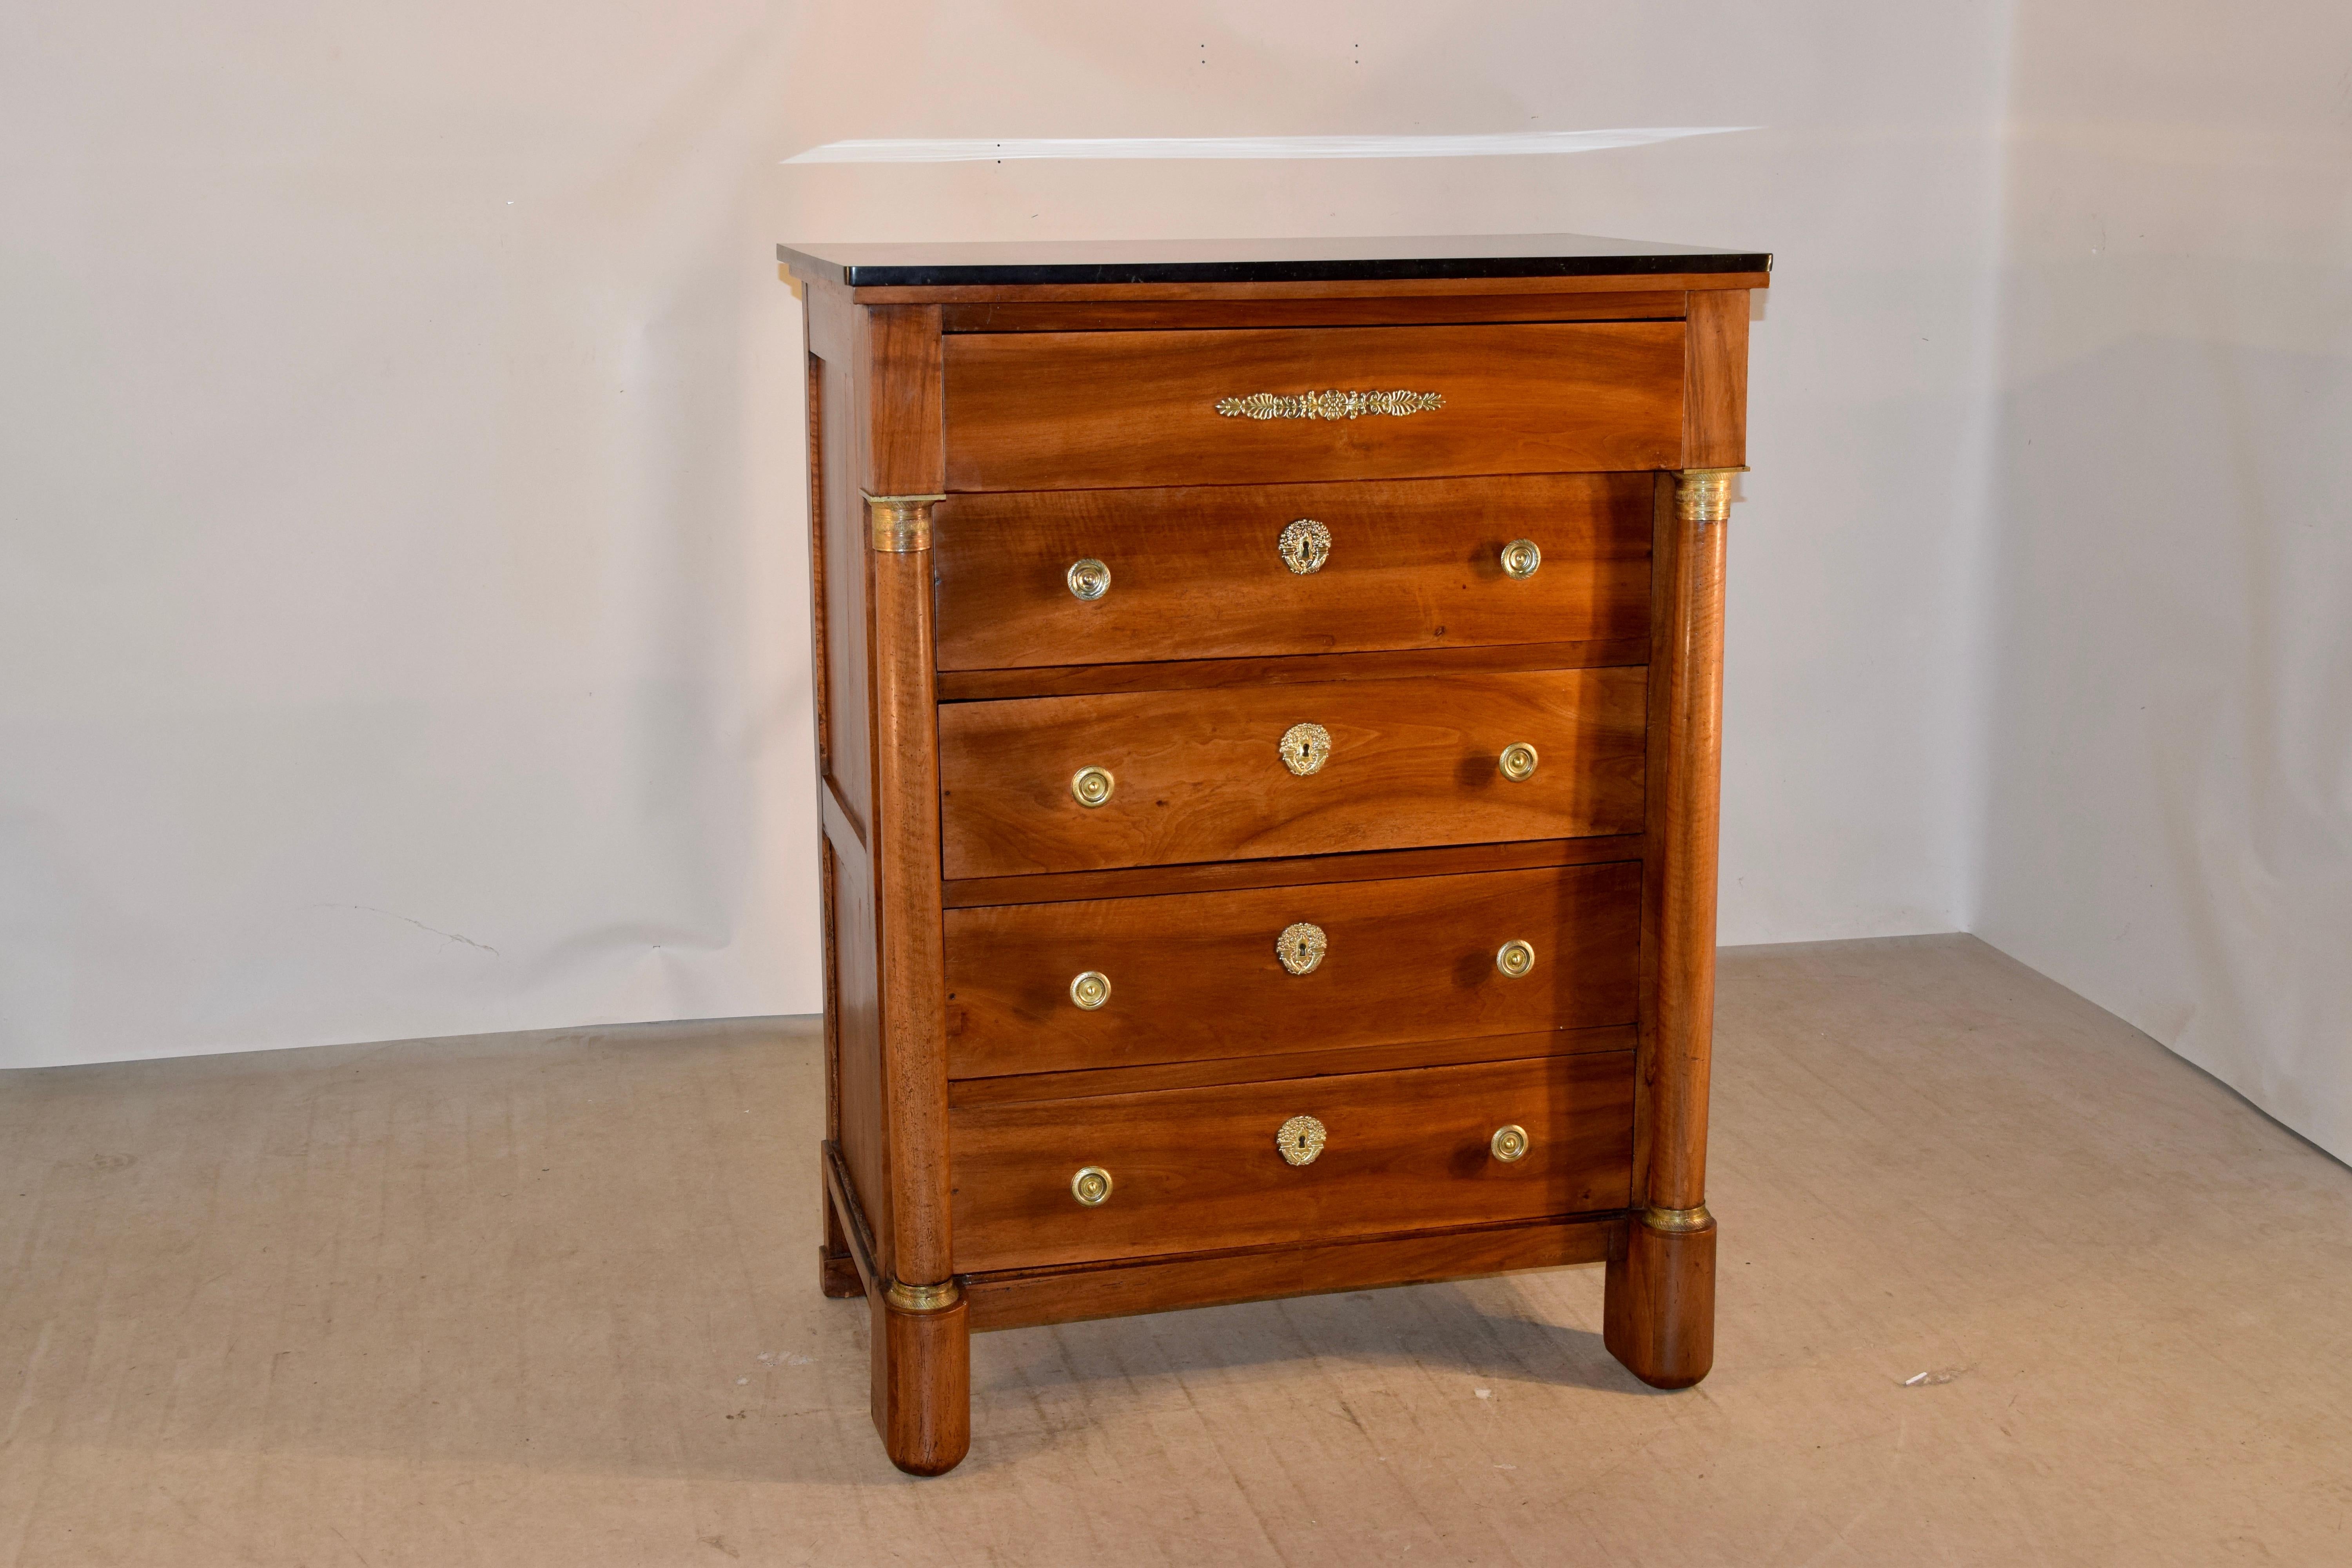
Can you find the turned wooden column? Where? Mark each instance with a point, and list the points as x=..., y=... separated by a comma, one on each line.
x=921, y=1346
x=922, y=1358
x=1659, y=1315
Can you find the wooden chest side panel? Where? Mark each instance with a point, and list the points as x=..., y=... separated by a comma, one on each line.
x=1194, y=976
x=1199, y=777
x=1079, y=410
x=1412, y=565
x=855, y=1026
x=1198, y=1169
x=847, y=757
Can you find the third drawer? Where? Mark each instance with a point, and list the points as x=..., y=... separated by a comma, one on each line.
x=1200, y=976
x=1189, y=776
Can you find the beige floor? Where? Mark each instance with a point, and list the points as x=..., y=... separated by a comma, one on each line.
x=550, y=1299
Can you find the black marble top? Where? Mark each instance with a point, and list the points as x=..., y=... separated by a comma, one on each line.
x=1255, y=261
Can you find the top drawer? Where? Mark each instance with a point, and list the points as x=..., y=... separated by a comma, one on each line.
x=1076, y=410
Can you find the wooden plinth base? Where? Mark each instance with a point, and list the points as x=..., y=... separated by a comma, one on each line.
x=1658, y=1316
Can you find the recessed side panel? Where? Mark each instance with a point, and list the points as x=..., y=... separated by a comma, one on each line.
x=856, y=1025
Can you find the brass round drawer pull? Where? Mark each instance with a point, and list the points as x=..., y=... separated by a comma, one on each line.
x=1520, y=559
x=1304, y=546
x=1514, y=958
x=1300, y=1140
x=1301, y=946
x=1508, y=1143
x=1091, y=1186
x=1090, y=990
x=1092, y=786
x=1088, y=579
x=1304, y=749
x=1519, y=761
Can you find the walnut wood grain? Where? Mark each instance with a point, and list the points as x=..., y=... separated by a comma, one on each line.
x=1197, y=1169
x=1657, y=1312
x=831, y=319
x=1026, y=1299
x=1385, y=310
x=1299, y=1064
x=1714, y=409
x=921, y=1385
x=845, y=1218
x=906, y=845
x=854, y=1025
x=1285, y=669
x=1080, y=410
x=897, y=426
x=1291, y=871
x=837, y=540
x=1414, y=762
x=1412, y=564
x=1685, y=1003
x=834, y=1277
x=1195, y=976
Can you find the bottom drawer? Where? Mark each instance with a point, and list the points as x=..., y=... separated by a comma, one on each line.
x=1198, y=1169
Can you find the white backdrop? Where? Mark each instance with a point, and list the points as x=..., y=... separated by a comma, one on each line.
x=2168, y=826
x=404, y=521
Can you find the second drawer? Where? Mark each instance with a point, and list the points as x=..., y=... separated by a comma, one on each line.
x=1198, y=976
x=1290, y=568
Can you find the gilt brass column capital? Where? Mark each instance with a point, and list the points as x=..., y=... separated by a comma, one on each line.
x=1703, y=495
x=902, y=523
x=906, y=1298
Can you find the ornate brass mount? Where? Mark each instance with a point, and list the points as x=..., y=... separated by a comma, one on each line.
x=1520, y=558
x=1300, y=1140
x=901, y=525
x=1332, y=404
x=1088, y=579
x=1703, y=496
x=1301, y=947
x=909, y=1297
x=1304, y=545
x=1304, y=749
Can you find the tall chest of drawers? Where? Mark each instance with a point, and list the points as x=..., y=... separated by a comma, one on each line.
x=1267, y=706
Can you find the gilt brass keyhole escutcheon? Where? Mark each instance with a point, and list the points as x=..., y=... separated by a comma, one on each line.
x=1305, y=748
x=1514, y=958
x=1301, y=946
x=1304, y=545
x=1091, y=1186
x=1508, y=1142
x=1090, y=990
x=1088, y=579
x=1519, y=761
x=1092, y=786
x=1300, y=1140
x=1520, y=559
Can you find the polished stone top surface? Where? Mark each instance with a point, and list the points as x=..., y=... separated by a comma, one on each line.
x=1068, y=261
